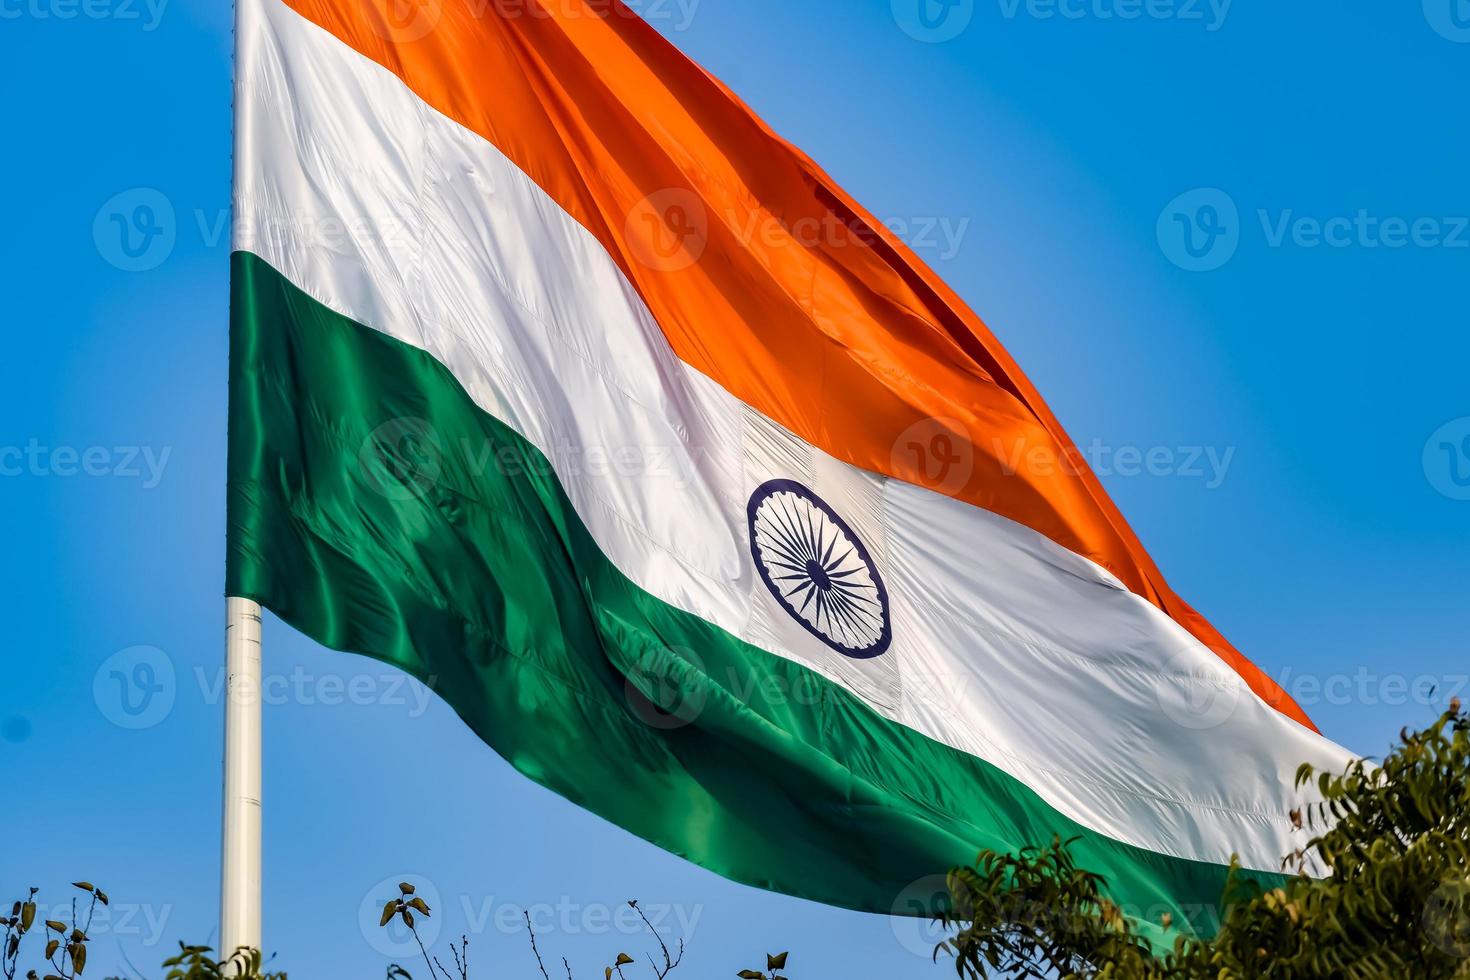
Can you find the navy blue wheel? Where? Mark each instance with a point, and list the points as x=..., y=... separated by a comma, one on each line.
x=818, y=569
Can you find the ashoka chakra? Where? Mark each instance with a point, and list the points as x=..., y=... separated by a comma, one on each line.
x=818, y=569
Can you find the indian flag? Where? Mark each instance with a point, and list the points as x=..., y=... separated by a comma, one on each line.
x=561, y=382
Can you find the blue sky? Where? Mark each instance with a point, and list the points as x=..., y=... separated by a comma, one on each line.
x=1229, y=238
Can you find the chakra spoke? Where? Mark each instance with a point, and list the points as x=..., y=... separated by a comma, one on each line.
x=827, y=555
x=814, y=590
x=778, y=535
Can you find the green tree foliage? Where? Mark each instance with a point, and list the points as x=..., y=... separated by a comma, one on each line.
x=1394, y=839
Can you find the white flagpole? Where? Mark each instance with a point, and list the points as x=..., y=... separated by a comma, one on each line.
x=240, y=904
x=240, y=853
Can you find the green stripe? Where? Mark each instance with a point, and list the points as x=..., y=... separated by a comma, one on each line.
x=445, y=545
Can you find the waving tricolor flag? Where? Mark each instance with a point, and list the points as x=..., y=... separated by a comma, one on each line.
x=558, y=379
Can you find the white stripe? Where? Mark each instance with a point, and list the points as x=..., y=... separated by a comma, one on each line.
x=1005, y=645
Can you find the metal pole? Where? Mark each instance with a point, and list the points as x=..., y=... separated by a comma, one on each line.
x=240, y=854
x=240, y=905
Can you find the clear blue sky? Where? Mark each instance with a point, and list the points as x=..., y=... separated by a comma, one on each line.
x=1310, y=363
